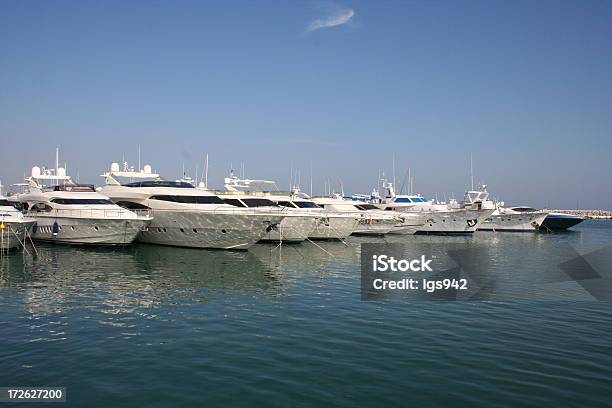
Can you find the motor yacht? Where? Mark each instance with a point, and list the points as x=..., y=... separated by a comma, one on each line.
x=330, y=224
x=70, y=213
x=372, y=220
x=296, y=225
x=184, y=215
x=519, y=218
x=440, y=218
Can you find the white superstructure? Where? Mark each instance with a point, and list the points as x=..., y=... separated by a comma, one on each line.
x=184, y=215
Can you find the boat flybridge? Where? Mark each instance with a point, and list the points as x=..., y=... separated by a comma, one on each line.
x=328, y=224
x=440, y=218
x=184, y=215
x=13, y=225
x=503, y=218
x=372, y=220
x=71, y=213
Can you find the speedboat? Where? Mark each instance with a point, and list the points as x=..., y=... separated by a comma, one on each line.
x=184, y=215
x=13, y=225
x=329, y=225
x=560, y=222
x=70, y=213
x=439, y=218
x=520, y=218
x=372, y=220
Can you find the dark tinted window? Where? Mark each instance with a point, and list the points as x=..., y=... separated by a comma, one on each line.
x=75, y=188
x=81, y=201
x=306, y=204
x=367, y=207
x=131, y=206
x=189, y=199
x=258, y=202
x=524, y=209
x=286, y=204
x=159, y=183
x=233, y=201
x=5, y=203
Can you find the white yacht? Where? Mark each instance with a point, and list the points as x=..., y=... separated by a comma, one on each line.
x=71, y=213
x=329, y=225
x=13, y=225
x=504, y=218
x=296, y=225
x=184, y=215
x=372, y=220
x=440, y=218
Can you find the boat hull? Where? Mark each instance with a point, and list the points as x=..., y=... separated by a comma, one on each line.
x=525, y=222
x=13, y=233
x=560, y=222
x=292, y=229
x=453, y=222
x=374, y=226
x=88, y=231
x=215, y=230
x=334, y=227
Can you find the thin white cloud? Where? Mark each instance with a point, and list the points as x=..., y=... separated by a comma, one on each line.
x=336, y=19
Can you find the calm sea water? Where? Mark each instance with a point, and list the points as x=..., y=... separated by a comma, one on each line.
x=155, y=326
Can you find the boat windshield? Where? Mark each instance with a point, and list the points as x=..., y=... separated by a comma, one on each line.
x=524, y=209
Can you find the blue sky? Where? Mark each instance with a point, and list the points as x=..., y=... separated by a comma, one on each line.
x=525, y=86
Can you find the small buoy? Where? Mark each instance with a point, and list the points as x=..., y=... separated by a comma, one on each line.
x=55, y=229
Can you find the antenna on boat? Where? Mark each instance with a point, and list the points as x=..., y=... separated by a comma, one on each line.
x=409, y=181
x=394, y=187
x=206, y=173
x=139, y=169
x=57, y=164
x=311, y=178
x=471, y=171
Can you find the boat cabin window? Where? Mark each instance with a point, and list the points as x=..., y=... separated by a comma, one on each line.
x=365, y=207
x=159, y=183
x=233, y=201
x=287, y=204
x=306, y=204
x=189, y=199
x=131, y=206
x=81, y=188
x=258, y=202
x=524, y=209
x=81, y=201
x=403, y=200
